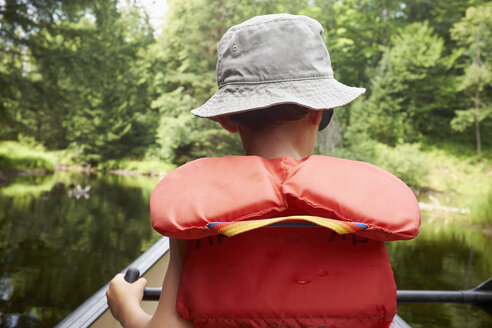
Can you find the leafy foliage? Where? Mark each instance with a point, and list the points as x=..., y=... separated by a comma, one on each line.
x=95, y=77
x=474, y=34
x=407, y=91
x=79, y=75
x=407, y=161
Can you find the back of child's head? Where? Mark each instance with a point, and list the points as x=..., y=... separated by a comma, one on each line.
x=267, y=118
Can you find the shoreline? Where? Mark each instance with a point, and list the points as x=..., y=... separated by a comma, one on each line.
x=8, y=175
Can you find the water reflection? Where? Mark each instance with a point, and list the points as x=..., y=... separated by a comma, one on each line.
x=55, y=251
x=77, y=191
x=447, y=255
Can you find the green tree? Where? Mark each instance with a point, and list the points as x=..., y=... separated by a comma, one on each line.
x=76, y=72
x=440, y=14
x=23, y=30
x=113, y=110
x=356, y=33
x=474, y=34
x=407, y=91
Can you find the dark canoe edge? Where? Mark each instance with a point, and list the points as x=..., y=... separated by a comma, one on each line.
x=96, y=305
x=89, y=311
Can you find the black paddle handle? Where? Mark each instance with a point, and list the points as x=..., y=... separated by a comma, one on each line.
x=442, y=296
x=150, y=294
x=132, y=275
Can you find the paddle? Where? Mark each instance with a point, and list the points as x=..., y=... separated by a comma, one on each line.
x=480, y=296
x=150, y=293
x=132, y=275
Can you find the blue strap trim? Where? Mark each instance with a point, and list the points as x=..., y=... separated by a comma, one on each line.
x=362, y=225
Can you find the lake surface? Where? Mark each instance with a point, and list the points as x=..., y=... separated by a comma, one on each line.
x=56, y=250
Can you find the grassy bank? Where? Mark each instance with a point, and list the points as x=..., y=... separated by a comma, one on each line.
x=20, y=156
x=466, y=179
x=146, y=166
x=481, y=208
x=406, y=161
x=449, y=177
x=27, y=156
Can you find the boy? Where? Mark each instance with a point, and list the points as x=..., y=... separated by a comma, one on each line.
x=281, y=267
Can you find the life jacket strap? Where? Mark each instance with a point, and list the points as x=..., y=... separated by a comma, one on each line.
x=231, y=229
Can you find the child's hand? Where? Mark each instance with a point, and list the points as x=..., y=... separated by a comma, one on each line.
x=124, y=298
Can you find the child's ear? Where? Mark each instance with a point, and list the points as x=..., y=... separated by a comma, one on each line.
x=228, y=124
x=315, y=116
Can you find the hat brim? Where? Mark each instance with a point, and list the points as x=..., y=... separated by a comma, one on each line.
x=317, y=94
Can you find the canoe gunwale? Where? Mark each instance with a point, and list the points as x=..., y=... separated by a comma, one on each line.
x=96, y=305
x=398, y=322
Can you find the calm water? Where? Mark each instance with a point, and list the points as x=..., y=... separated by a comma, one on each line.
x=55, y=250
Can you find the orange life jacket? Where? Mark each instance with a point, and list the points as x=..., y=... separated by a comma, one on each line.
x=283, y=276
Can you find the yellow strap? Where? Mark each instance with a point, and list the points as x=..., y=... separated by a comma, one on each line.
x=230, y=229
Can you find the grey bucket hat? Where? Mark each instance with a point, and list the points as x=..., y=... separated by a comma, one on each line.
x=271, y=60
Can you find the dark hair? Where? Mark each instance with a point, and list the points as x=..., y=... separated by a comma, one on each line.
x=276, y=115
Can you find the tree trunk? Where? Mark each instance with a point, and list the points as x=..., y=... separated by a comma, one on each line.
x=478, y=62
x=477, y=124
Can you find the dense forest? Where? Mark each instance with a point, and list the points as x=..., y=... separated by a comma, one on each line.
x=96, y=78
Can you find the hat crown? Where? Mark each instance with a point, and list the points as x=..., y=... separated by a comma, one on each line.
x=278, y=47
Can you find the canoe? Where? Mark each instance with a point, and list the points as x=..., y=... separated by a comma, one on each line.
x=152, y=264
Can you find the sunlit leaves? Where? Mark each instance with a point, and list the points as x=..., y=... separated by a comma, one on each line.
x=474, y=34
x=404, y=88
